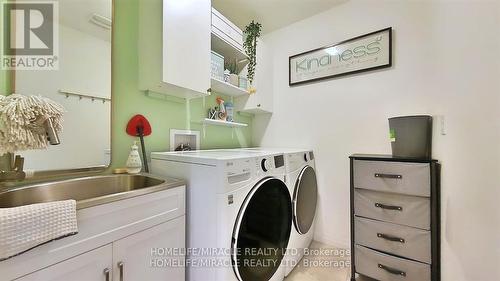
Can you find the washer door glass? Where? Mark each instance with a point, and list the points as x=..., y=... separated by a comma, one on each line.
x=305, y=198
x=262, y=231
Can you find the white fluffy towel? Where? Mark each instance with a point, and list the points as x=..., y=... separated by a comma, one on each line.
x=23, y=228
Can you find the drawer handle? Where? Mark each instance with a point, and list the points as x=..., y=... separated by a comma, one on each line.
x=388, y=176
x=388, y=207
x=106, y=274
x=392, y=270
x=120, y=267
x=390, y=238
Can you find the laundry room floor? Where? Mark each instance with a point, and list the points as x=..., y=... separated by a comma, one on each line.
x=330, y=264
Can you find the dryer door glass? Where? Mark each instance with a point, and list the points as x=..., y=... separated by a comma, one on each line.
x=305, y=198
x=262, y=231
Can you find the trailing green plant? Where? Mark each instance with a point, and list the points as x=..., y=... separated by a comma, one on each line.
x=231, y=66
x=252, y=32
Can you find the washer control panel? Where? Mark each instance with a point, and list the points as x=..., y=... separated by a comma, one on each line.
x=270, y=163
x=295, y=161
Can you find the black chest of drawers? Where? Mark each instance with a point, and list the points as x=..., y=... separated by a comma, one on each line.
x=395, y=218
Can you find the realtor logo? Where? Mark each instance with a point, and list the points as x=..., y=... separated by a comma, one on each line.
x=30, y=35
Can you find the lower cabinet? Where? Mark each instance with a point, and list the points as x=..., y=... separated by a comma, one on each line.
x=145, y=255
x=92, y=265
x=150, y=255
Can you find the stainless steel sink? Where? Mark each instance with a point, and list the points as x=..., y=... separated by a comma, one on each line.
x=87, y=191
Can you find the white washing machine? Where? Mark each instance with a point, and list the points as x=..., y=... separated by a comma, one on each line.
x=239, y=212
x=300, y=178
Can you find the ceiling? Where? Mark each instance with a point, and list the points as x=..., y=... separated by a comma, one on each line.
x=272, y=14
x=76, y=14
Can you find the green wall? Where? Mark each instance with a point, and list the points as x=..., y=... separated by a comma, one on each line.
x=162, y=114
x=4, y=82
x=5, y=78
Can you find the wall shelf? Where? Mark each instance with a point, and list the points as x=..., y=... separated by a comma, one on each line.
x=178, y=98
x=255, y=111
x=223, y=88
x=208, y=121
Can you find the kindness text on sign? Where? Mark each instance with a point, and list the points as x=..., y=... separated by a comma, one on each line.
x=366, y=52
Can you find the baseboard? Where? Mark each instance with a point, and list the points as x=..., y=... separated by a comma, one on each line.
x=331, y=241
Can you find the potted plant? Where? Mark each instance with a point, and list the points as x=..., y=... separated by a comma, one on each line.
x=232, y=68
x=252, y=32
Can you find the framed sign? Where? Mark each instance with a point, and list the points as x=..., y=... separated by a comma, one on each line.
x=363, y=53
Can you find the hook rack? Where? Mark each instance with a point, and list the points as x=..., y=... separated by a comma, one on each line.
x=81, y=96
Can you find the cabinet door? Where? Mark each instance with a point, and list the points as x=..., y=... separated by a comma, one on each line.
x=262, y=100
x=186, y=43
x=264, y=77
x=88, y=266
x=145, y=255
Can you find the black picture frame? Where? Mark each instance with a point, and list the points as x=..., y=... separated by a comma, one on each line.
x=387, y=65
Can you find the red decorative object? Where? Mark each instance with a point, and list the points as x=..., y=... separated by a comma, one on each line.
x=136, y=123
x=139, y=126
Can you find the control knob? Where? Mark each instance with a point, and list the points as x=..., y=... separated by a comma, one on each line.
x=265, y=165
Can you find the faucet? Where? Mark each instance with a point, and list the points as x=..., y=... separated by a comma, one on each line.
x=15, y=169
x=52, y=136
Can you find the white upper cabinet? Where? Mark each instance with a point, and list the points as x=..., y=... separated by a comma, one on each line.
x=260, y=102
x=225, y=30
x=174, y=47
x=227, y=42
x=176, y=38
x=186, y=43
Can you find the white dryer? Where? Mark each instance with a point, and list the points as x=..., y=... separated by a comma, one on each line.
x=301, y=177
x=302, y=184
x=239, y=212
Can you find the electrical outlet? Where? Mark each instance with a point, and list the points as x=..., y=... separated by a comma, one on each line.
x=442, y=125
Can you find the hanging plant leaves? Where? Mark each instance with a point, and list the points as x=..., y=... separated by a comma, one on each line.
x=252, y=32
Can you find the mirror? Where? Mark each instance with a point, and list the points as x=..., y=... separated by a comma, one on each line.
x=79, y=80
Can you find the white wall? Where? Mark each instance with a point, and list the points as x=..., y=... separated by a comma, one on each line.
x=84, y=67
x=446, y=62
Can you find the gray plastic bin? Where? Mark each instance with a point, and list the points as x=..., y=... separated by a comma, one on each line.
x=411, y=136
